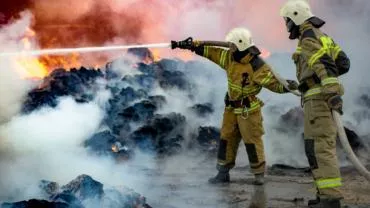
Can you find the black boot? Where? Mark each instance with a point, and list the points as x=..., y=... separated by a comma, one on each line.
x=259, y=179
x=221, y=177
x=324, y=203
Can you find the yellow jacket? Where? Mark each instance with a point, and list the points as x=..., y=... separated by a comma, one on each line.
x=319, y=62
x=245, y=78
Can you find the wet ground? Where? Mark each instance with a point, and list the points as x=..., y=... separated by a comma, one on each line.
x=180, y=184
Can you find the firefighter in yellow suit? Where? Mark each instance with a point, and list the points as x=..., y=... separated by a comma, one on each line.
x=247, y=73
x=319, y=61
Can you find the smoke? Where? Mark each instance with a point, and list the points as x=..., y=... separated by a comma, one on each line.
x=47, y=143
x=352, y=33
x=139, y=21
x=12, y=87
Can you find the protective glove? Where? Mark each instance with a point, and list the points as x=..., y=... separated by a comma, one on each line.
x=336, y=103
x=292, y=85
x=184, y=44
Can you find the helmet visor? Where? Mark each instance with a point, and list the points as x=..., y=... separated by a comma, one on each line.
x=289, y=24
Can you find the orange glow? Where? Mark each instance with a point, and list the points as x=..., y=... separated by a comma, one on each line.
x=156, y=55
x=38, y=68
x=265, y=53
x=54, y=61
x=30, y=67
x=185, y=55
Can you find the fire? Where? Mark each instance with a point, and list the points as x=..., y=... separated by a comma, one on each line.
x=38, y=68
x=53, y=61
x=30, y=67
x=156, y=55
x=115, y=148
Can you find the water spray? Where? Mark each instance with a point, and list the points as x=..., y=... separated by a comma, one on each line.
x=60, y=51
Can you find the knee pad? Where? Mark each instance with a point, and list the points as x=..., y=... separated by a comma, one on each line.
x=309, y=146
x=252, y=153
x=222, y=150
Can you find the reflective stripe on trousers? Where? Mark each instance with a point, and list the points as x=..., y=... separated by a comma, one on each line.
x=328, y=183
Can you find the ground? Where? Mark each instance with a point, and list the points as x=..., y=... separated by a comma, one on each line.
x=179, y=184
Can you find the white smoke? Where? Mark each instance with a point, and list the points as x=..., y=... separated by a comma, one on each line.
x=46, y=144
x=12, y=87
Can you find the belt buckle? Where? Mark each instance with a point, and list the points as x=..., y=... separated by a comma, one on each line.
x=244, y=108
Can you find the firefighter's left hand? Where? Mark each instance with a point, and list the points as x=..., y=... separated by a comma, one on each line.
x=184, y=44
x=336, y=103
x=292, y=85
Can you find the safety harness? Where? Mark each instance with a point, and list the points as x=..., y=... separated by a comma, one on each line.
x=246, y=104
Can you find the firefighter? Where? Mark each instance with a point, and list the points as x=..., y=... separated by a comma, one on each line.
x=247, y=73
x=319, y=61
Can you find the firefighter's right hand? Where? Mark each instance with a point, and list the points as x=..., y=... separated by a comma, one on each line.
x=184, y=44
x=336, y=103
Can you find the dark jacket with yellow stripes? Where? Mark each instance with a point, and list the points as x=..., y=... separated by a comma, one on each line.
x=245, y=77
x=319, y=62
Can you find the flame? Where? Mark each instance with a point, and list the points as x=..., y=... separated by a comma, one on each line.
x=156, y=55
x=30, y=67
x=54, y=61
x=115, y=148
x=38, y=68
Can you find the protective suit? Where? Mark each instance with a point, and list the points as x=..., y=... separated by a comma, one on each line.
x=247, y=74
x=319, y=61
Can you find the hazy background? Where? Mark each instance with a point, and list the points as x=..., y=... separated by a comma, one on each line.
x=46, y=143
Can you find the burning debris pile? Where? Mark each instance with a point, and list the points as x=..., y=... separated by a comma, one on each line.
x=81, y=192
x=132, y=120
x=60, y=82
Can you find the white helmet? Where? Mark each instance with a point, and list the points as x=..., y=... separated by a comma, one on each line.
x=297, y=10
x=241, y=37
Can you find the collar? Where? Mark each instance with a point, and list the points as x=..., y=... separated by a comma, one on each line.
x=252, y=52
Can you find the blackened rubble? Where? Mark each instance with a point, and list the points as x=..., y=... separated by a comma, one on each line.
x=59, y=83
x=161, y=133
x=80, y=191
x=208, y=137
x=202, y=110
x=131, y=118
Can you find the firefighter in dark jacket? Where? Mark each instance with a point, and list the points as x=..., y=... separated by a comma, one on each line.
x=319, y=61
x=247, y=74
